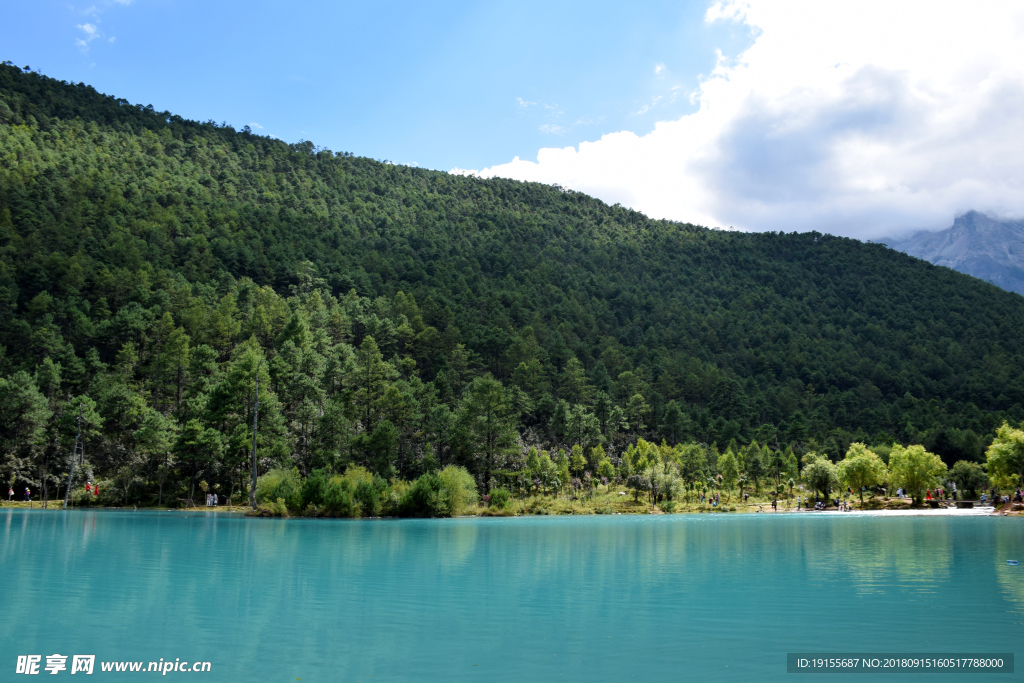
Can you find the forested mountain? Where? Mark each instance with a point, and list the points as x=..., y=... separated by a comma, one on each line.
x=976, y=244
x=405, y=318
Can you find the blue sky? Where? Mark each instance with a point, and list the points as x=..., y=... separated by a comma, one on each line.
x=866, y=118
x=439, y=84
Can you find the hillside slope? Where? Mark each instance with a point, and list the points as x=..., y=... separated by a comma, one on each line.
x=150, y=263
x=977, y=245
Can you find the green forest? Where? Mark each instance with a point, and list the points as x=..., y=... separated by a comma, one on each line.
x=405, y=321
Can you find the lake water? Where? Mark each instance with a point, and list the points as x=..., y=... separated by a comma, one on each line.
x=658, y=598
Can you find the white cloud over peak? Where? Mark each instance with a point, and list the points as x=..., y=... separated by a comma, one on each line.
x=863, y=118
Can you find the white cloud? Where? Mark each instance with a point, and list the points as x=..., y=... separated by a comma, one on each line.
x=647, y=107
x=658, y=68
x=253, y=124
x=90, y=32
x=525, y=103
x=552, y=128
x=858, y=117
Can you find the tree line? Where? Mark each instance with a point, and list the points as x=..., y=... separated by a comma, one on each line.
x=150, y=266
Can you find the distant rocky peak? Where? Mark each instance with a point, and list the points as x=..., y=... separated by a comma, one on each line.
x=977, y=244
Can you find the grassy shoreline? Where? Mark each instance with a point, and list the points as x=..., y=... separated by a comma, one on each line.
x=613, y=502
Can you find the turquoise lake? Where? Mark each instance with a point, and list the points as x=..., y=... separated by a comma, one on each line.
x=645, y=598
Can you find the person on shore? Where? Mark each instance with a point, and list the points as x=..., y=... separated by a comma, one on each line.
x=775, y=507
x=10, y=493
x=88, y=487
x=96, y=490
x=28, y=495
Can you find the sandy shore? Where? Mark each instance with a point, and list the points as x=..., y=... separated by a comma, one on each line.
x=918, y=512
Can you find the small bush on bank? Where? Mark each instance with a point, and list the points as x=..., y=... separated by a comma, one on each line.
x=499, y=499
x=313, y=489
x=80, y=498
x=447, y=493
x=270, y=508
x=424, y=498
x=280, y=484
x=333, y=495
x=460, y=488
x=372, y=495
x=338, y=500
x=393, y=497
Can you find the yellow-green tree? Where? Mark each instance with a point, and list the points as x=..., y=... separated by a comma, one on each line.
x=729, y=469
x=1005, y=457
x=861, y=468
x=577, y=462
x=914, y=469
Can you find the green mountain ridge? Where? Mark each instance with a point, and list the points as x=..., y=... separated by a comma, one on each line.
x=149, y=264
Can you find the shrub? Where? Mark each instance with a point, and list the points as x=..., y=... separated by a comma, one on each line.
x=368, y=497
x=500, y=498
x=337, y=498
x=274, y=508
x=392, y=500
x=356, y=474
x=667, y=506
x=424, y=498
x=459, y=487
x=444, y=494
x=280, y=484
x=313, y=489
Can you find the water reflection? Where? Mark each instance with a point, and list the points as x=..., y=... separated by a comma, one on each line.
x=873, y=553
x=1010, y=546
x=523, y=599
